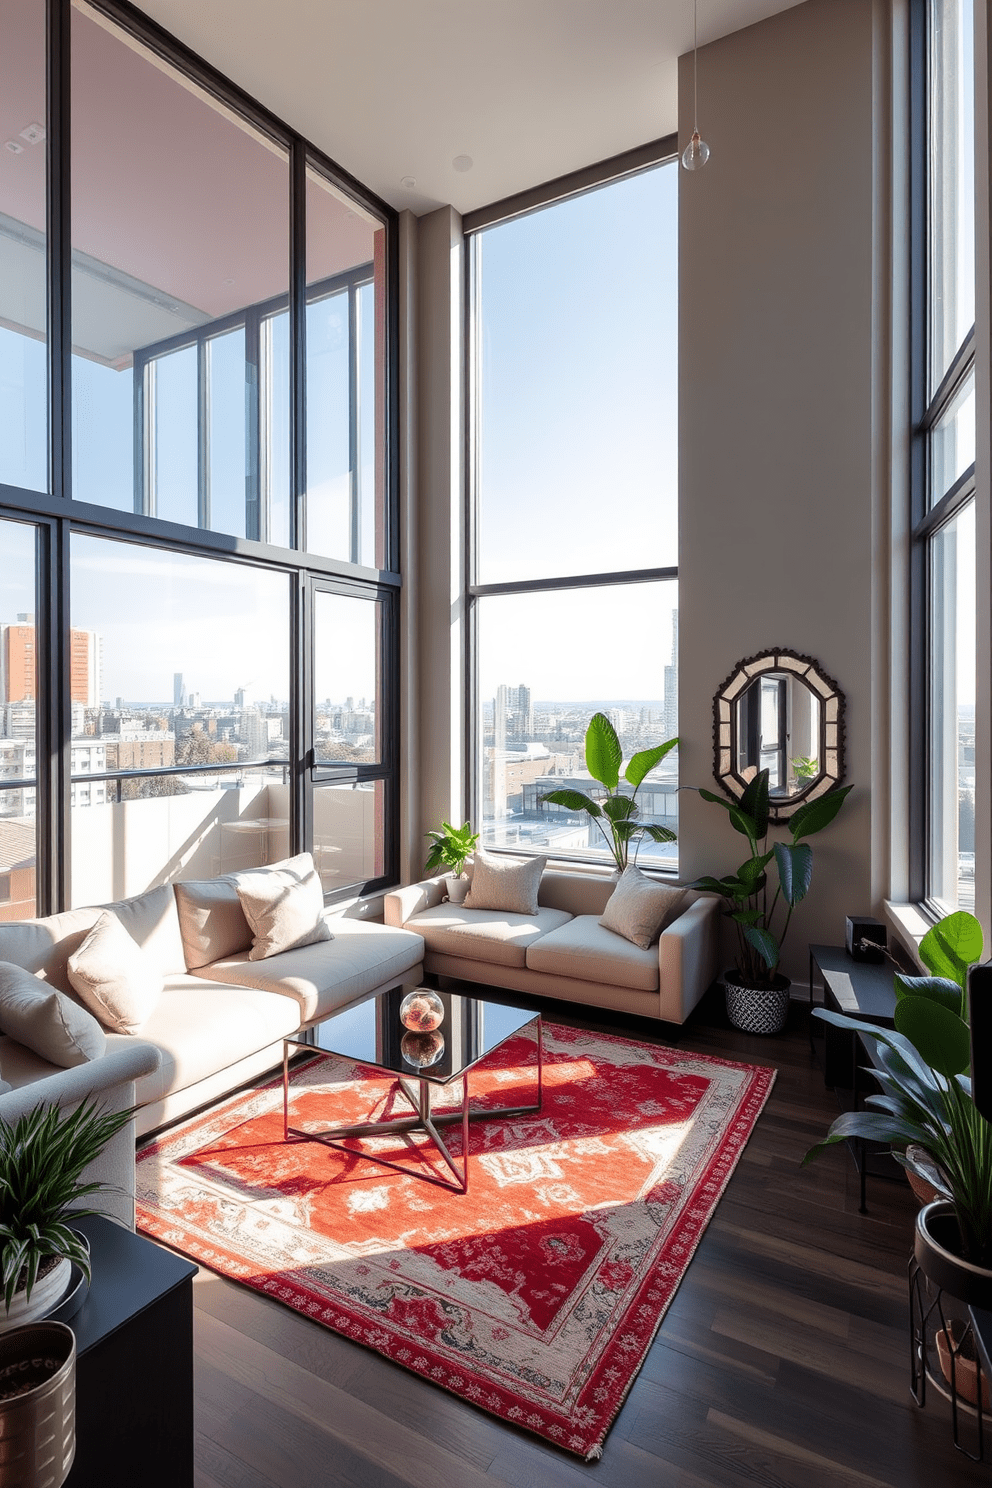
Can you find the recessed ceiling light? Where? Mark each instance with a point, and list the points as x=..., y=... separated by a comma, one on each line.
x=33, y=133
x=409, y=182
x=14, y=147
x=463, y=162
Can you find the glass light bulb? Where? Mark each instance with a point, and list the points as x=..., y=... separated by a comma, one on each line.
x=696, y=153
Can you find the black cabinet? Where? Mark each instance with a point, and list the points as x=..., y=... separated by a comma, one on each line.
x=134, y=1370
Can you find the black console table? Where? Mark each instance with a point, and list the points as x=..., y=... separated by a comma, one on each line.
x=134, y=1369
x=863, y=990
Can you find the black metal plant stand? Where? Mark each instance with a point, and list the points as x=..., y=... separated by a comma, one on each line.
x=927, y=1317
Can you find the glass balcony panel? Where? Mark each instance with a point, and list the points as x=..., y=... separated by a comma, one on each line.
x=349, y=833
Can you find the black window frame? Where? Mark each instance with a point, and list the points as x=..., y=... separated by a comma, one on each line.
x=56, y=514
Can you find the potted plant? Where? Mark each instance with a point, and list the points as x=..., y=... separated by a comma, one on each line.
x=926, y=1103
x=42, y=1157
x=616, y=815
x=757, y=993
x=449, y=849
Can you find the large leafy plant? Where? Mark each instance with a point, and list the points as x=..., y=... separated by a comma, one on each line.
x=761, y=913
x=616, y=814
x=451, y=847
x=926, y=1096
x=42, y=1155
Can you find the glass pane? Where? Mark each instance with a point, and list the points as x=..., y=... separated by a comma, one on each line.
x=536, y=701
x=952, y=180
x=348, y=833
x=226, y=490
x=952, y=713
x=345, y=377
x=952, y=447
x=347, y=665
x=576, y=384
x=171, y=390
x=128, y=835
x=23, y=293
x=193, y=652
x=180, y=234
x=18, y=691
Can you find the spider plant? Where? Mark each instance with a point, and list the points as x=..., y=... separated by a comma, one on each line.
x=616, y=816
x=42, y=1156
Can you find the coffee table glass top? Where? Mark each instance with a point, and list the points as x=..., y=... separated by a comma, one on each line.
x=371, y=1033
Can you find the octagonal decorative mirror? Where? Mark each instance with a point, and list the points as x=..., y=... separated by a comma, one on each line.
x=779, y=711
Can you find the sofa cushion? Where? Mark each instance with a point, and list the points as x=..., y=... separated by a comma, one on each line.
x=484, y=934
x=153, y=924
x=505, y=884
x=315, y=979
x=114, y=978
x=202, y=1027
x=46, y=1021
x=284, y=908
x=640, y=907
x=583, y=949
x=211, y=920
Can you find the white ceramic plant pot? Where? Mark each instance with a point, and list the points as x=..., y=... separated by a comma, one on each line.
x=46, y=1294
x=458, y=887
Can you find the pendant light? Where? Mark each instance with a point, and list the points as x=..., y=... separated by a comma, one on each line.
x=697, y=151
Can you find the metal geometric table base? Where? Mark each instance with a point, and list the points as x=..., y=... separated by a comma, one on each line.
x=425, y=1121
x=926, y=1313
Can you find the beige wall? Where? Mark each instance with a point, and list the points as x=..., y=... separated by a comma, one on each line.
x=776, y=414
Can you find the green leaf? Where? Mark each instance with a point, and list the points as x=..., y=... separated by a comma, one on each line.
x=938, y=989
x=644, y=761
x=708, y=795
x=752, y=873
x=816, y=815
x=603, y=752
x=952, y=945
x=795, y=870
x=764, y=943
x=573, y=800
x=871, y=1126
x=711, y=885
x=940, y=1038
x=746, y=916
x=741, y=822
x=659, y=834
x=620, y=808
x=754, y=803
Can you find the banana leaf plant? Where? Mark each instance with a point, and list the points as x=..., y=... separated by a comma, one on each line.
x=761, y=914
x=926, y=1098
x=615, y=815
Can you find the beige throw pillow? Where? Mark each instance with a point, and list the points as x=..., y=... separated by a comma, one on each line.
x=44, y=1020
x=114, y=978
x=639, y=907
x=211, y=920
x=505, y=884
x=284, y=907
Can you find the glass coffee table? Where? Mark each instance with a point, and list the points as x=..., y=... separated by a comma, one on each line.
x=370, y=1033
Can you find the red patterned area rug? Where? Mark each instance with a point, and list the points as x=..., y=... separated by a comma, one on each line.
x=535, y=1295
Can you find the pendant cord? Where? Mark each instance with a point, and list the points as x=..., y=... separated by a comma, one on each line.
x=695, y=66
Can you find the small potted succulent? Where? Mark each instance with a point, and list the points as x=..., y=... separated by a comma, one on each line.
x=42, y=1157
x=757, y=992
x=616, y=814
x=450, y=848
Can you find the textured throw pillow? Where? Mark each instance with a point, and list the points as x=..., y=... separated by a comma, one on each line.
x=505, y=884
x=284, y=907
x=44, y=1020
x=211, y=920
x=639, y=907
x=114, y=978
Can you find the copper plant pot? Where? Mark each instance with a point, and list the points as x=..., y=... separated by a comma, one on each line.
x=38, y=1424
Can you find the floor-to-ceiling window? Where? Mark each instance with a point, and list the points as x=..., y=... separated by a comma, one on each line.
x=198, y=547
x=573, y=504
x=944, y=477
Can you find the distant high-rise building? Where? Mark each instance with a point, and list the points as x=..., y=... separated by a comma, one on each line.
x=178, y=690
x=239, y=698
x=672, y=683
x=18, y=664
x=84, y=667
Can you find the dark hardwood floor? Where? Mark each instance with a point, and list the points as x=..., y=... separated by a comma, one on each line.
x=783, y=1361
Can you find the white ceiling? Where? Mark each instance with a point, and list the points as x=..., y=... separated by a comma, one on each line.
x=516, y=91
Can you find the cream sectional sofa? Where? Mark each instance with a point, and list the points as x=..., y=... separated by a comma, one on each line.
x=563, y=951
x=220, y=1020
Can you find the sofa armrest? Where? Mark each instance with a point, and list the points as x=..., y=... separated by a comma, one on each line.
x=400, y=904
x=688, y=957
x=110, y=1079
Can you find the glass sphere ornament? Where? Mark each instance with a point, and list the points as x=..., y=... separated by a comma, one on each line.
x=422, y=1049
x=696, y=153
x=421, y=1011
